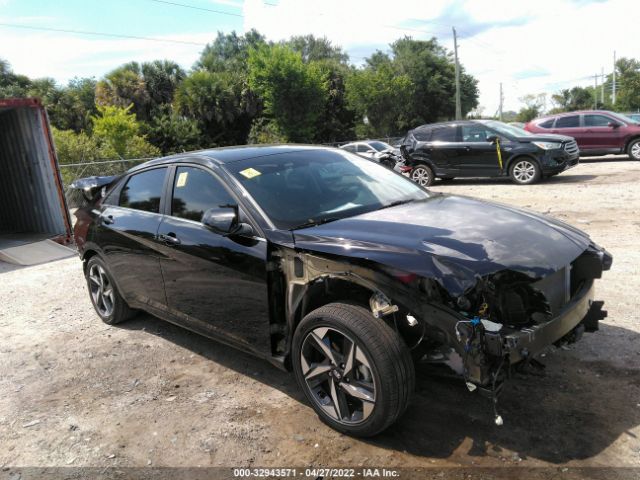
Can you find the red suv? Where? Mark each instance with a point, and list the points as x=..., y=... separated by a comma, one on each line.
x=597, y=132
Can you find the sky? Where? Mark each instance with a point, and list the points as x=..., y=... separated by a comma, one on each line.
x=532, y=47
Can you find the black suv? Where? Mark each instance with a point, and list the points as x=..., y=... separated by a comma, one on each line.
x=329, y=264
x=470, y=149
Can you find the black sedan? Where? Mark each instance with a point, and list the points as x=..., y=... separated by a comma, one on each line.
x=323, y=262
x=485, y=148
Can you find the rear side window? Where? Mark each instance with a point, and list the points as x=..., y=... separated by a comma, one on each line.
x=444, y=134
x=143, y=191
x=196, y=191
x=350, y=148
x=571, y=121
x=423, y=135
x=547, y=123
x=596, y=121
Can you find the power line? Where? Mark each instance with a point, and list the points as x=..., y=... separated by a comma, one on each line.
x=194, y=7
x=101, y=34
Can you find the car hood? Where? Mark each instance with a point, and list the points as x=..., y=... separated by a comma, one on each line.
x=452, y=239
x=545, y=137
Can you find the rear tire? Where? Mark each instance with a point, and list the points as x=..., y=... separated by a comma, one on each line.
x=104, y=294
x=354, y=369
x=423, y=175
x=525, y=171
x=634, y=149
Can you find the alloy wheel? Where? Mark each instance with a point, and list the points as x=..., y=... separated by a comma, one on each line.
x=421, y=176
x=524, y=171
x=338, y=375
x=635, y=150
x=101, y=290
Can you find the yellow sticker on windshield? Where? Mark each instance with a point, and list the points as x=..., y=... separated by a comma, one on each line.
x=250, y=172
x=182, y=179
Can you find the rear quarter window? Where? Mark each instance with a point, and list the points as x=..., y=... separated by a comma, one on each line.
x=547, y=123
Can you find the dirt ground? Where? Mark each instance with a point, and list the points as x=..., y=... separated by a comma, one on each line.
x=76, y=392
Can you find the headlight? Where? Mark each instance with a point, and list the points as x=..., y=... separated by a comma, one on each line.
x=547, y=145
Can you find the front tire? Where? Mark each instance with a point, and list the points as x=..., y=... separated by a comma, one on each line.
x=634, y=149
x=525, y=171
x=423, y=175
x=354, y=369
x=104, y=294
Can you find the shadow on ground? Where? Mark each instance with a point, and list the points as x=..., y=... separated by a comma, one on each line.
x=573, y=412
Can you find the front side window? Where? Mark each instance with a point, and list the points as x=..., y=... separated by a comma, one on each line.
x=596, y=121
x=301, y=188
x=363, y=148
x=572, y=121
x=475, y=133
x=444, y=134
x=196, y=191
x=144, y=190
x=422, y=135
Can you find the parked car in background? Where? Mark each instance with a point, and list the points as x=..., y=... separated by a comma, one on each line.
x=376, y=150
x=470, y=149
x=635, y=116
x=597, y=132
x=330, y=265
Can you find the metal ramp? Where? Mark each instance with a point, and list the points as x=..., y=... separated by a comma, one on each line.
x=31, y=249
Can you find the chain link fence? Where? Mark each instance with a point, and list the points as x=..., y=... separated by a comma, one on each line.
x=73, y=171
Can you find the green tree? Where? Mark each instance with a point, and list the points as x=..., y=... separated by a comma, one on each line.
x=172, y=133
x=534, y=106
x=379, y=96
x=73, y=147
x=628, y=98
x=229, y=52
x=294, y=92
x=220, y=104
x=12, y=84
x=75, y=105
x=431, y=70
x=117, y=133
x=161, y=80
x=125, y=86
x=314, y=49
x=576, y=98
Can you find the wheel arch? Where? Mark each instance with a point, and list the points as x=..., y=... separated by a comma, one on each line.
x=629, y=141
x=519, y=156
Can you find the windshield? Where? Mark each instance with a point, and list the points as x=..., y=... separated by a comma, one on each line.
x=505, y=129
x=310, y=187
x=380, y=146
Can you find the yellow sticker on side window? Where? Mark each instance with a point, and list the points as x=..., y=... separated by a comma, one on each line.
x=250, y=172
x=182, y=179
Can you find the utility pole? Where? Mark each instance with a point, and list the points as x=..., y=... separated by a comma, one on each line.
x=595, y=92
x=613, y=96
x=455, y=51
x=501, y=100
x=602, y=88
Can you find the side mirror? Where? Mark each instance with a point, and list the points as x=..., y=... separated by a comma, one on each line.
x=613, y=124
x=224, y=220
x=492, y=138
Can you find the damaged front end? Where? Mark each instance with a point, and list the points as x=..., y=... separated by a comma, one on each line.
x=508, y=317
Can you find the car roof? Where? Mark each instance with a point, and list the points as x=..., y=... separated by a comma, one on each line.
x=450, y=123
x=576, y=112
x=225, y=155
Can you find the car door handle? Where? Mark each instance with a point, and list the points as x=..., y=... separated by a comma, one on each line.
x=467, y=148
x=108, y=220
x=170, y=238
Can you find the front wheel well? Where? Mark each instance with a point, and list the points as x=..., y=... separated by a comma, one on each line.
x=519, y=156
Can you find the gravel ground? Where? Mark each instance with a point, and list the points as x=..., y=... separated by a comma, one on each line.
x=76, y=392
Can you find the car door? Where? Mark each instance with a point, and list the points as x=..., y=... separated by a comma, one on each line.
x=602, y=132
x=476, y=155
x=570, y=125
x=127, y=229
x=443, y=149
x=216, y=284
